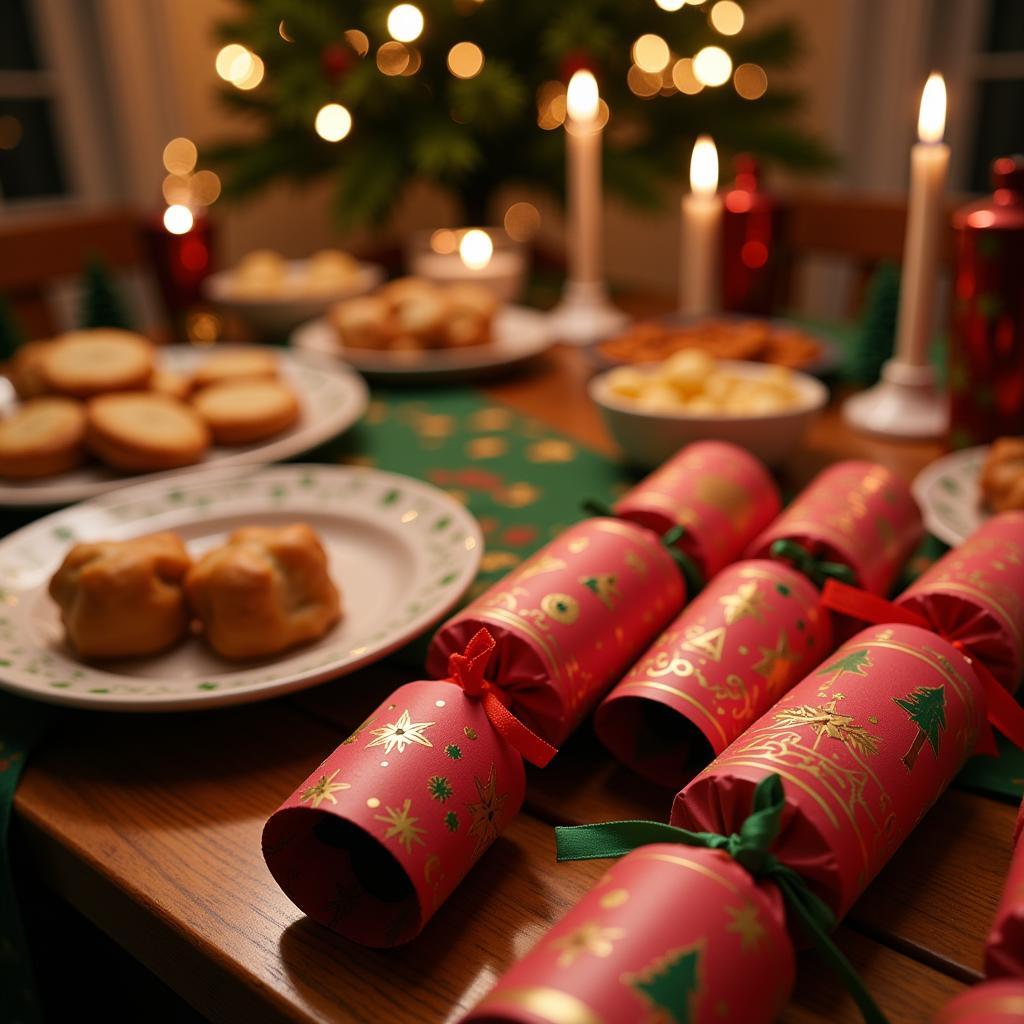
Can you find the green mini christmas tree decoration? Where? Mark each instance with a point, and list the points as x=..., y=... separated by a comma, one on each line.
x=877, y=331
x=10, y=331
x=101, y=303
x=414, y=119
x=853, y=663
x=926, y=707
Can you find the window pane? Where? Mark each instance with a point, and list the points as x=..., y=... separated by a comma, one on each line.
x=30, y=166
x=1005, y=26
x=17, y=41
x=1000, y=129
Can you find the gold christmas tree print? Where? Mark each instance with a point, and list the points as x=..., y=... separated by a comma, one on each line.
x=926, y=707
x=402, y=825
x=591, y=937
x=399, y=734
x=747, y=602
x=827, y=722
x=604, y=586
x=485, y=812
x=323, y=789
x=670, y=985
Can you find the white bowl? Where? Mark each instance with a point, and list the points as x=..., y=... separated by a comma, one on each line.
x=648, y=438
x=279, y=313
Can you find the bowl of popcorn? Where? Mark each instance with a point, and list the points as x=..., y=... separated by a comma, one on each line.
x=274, y=295
x=653, y=410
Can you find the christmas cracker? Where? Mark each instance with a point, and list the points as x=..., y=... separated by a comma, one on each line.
x=991, y=1002
x=1004, y=948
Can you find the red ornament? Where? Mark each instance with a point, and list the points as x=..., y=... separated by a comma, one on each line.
x=751, y=221
x=986, y=353
x=573, y=61
x=336, y=60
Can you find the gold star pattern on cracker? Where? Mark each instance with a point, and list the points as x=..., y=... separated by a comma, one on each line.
x=747, y=602
x=485, y=812
x=402, y=825
x=746, y=925
x=593, y=938
x=323, y=789
x=399, y=734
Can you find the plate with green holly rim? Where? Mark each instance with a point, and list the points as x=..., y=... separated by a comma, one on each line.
x=947, y=491
x=332, y=398
x=401, y=552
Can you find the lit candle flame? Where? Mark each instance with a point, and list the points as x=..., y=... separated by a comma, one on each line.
x=581, y=100
x=476, y=249
x=931, y=120
x=704, y=167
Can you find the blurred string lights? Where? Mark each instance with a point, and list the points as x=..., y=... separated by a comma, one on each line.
x=654, y=71
x=184, y=188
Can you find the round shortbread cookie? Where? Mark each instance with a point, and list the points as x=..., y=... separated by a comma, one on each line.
x=245, y=364
x=240, y=412
x=145, y=431
x=86, y=363
x=45, y=436
x=167, y=382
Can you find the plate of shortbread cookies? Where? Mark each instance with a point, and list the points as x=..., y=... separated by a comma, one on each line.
x=91, y=410
x=227, y=586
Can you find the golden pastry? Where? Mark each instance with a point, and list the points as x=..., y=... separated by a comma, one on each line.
x=260, y=274
x=240, y=412
x=25, y=369
x=86, y=363
x=145, y=431
x=471, y=310
x=330, y=271
x=124, y=598
x=365, y=322
x=45, y=436
x=174, y=385
x=240, y=364
x=419, y=311
x=1002, y=475
x=267, y=589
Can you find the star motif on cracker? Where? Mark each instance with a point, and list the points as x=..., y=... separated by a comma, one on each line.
x=592, y=938
x=775, y=661
x=747, y=602
x=485, y=813
x=746, y=925
x=402, y=825
x=323, y=789
x=400, y=733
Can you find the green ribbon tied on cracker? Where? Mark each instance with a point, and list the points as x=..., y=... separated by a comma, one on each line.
x=751, y=849
x=817, y=570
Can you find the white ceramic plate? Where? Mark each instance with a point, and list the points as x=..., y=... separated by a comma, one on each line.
x=947, y=491
x=332, y=398
x=401, y=551
x=278, y=313
x=519, y=334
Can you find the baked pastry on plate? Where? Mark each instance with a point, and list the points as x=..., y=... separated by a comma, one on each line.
x=44, y=436
x=244, y=411
x=86, y=363
x=123, y=598
x=1002, y=475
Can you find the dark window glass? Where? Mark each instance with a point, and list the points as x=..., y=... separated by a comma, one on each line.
x=30, y=166
x=1005, y=26
x=17, y=41
x=1000, y=129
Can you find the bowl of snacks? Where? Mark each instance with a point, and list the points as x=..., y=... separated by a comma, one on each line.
x=652, y=410
x=274, y=295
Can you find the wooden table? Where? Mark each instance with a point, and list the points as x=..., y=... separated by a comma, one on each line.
x=150, y=826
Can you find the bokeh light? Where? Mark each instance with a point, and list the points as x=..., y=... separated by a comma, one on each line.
x=582, y=97
x=550, y=105
x=283, y=32
x=254, y=75
x=683, y=77
x=727, y=17
x=359, y=41
x=180, y=156
x=750, y=81
x=229, y=57
x=712, y=66
x=476, y=249
x=392, y=58
x=177, y=189
x=205, y=186
x=465, y=60
x=651, y=53
x=444, y=241
x=333, y=122
x=405, y=23
x=522, y=221
x=670, y=5
x=414, y=63
x=178, y=219
x=643, y=83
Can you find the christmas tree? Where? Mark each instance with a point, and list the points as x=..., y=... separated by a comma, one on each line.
x=926, y=707
x=877, y=332
x=10, y=331
x=669, y=985
x=101, y=304
x=473, y=100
